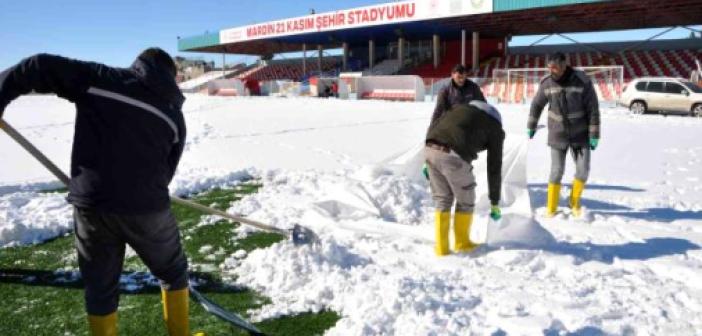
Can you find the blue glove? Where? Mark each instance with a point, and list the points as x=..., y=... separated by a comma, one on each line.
x=593, y=143
x=531, y=133
x=495, y=212
x=425, y=171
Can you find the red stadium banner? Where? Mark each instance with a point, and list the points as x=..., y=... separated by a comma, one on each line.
x=404, y=11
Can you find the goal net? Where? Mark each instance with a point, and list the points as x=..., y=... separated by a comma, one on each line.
x=520, y=85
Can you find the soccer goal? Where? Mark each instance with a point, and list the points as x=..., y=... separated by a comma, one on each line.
x=520, y=85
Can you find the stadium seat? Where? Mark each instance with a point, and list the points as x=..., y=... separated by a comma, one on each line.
x=289, y=69
x=389, y=94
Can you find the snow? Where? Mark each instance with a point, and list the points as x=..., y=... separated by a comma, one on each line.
x=203, y=79
x=348, y=170
x=30, y=217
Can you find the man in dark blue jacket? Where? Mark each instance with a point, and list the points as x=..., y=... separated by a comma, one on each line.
x=129, y=136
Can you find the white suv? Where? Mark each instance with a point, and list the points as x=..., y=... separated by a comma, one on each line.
x=664, y=94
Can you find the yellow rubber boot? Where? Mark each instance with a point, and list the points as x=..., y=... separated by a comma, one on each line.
x=575, y=194
x=441, y=227
x=175, y=312
x=105, y=325
x=554, y=194
x=461, y=230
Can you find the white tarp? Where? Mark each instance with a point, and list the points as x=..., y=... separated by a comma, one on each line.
x=352, y=208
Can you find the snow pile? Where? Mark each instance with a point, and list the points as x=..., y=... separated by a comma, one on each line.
x=30, y=217
x=335, y=277
x=199, y=180
x=337, y=195
x=30, y=187
x=518, y=231
x=397, y=287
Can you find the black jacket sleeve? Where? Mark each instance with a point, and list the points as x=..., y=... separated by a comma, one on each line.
x=537, y=106
x=3, y=100
x=494, y=166
x=442, y=105
x=44, y=73
x=478, y=93
x=592, y=108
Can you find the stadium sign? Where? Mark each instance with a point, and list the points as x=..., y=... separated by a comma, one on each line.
x=396, y=12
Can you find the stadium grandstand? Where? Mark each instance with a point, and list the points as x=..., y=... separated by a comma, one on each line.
x=425, y=38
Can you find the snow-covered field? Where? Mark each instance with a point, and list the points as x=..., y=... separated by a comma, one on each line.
x=348, y=170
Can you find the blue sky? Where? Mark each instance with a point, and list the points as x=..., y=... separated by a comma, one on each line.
x=113, y=32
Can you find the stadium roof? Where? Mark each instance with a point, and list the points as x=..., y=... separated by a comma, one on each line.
x=420, y=19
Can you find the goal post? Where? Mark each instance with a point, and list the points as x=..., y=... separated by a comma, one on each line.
x=520, y=85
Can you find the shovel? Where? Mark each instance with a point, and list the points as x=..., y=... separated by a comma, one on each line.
x=299, y=235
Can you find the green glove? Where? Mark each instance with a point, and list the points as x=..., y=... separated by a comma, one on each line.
x=593, y=143
x=531, y=133
x=495, y=212
x=425, y=171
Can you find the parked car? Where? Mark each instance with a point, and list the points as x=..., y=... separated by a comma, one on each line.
x=663, y=94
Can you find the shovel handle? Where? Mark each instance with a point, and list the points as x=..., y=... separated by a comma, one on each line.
x=211, y=211
x=22, y=141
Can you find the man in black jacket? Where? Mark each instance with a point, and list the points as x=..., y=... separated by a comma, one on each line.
x=129, y=136
x=460, y=91
x=573, y=125
x=452, y=143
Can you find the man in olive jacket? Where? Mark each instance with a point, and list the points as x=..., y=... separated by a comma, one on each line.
x=573, y=124
x=452, y=143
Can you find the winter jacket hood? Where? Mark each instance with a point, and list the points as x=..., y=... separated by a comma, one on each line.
x=158, y=80
x=487, y=108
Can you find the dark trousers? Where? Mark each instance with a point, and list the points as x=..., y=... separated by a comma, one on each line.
x=580, y=155
x=101, y=239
